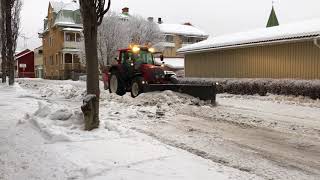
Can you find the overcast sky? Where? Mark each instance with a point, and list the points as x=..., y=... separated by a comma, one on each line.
x=216, y=17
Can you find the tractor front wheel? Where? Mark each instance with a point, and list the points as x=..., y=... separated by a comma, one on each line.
x=136, y=87
x=116, y=84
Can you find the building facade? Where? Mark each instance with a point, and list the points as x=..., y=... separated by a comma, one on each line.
x=25, y=64
x=178, y=36
x=38, y=62
x=277, y=51
x=61, y=40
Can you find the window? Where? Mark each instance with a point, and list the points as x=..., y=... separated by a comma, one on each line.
x=50, y=41
x=78, y=37
x=169, y=38
x=76, y=58
x=51, y=60
x=188, y=40
x=70, y=37
x=68, y=58
x=57, y=59
x=124, y=57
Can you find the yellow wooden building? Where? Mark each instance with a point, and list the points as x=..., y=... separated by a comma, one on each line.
x=284, y=51
x=61, y=40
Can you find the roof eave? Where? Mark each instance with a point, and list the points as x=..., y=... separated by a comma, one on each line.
x=246, y=45
x=184, y=34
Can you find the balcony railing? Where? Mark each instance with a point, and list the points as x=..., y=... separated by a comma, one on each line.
x=71, y=44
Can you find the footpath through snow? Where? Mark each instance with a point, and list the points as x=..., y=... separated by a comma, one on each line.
x=41, y=137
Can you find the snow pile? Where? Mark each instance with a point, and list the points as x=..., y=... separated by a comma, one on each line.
x=66, y=91
x=59, y=123
x=169, y=98
x=61, y=89
x=151, y=105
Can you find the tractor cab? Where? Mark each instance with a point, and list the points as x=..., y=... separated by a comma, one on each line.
x=136, y=55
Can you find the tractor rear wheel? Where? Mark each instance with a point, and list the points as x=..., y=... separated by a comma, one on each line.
x=136, y=87
x=116, y=84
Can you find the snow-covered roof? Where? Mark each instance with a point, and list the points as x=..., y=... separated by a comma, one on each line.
x=176, y=63
x=66, y=14
x=23, y=53
x=181, y=29
x=58, y=6
x=70, y=24
x=72, y=29
x=286, y=32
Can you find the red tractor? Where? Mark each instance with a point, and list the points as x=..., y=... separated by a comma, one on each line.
x=137, y=72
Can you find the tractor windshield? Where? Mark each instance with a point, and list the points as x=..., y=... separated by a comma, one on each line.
x=143, y=57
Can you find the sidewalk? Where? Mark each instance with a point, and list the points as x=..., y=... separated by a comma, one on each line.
x=36, y=148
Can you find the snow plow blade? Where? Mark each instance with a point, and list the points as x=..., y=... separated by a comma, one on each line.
x=203, y=92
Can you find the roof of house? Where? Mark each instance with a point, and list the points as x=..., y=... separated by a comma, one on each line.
x=58, y=6
x=181, y=29
x=278, y=34
x=66, y=14
x=23, y=53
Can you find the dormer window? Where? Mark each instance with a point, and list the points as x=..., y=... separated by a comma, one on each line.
x=169, y=38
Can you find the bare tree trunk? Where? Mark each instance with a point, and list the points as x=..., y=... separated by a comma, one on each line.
x=3, y=70
x=10, y=58
x=4, y=61
x=3, y=41
x=90, y=38
x=11, y=24
x=92, y=12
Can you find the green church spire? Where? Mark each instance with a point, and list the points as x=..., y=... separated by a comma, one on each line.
x=273, y=20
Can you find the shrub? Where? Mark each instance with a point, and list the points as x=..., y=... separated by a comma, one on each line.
x=308, y=88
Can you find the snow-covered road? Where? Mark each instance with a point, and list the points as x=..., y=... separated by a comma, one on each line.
x=42, y=138
x=273, y=137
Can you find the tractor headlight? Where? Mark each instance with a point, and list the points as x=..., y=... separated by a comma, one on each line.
x=135, y=49
x=152, y=50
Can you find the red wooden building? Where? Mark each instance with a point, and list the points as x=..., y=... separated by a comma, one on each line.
x=25, y=64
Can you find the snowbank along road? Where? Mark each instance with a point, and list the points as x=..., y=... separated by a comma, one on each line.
x=272, y=137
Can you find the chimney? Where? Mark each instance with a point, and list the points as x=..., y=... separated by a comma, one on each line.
x=160, y=21
x=125, y=10
x=188, y=24
x=150, y=19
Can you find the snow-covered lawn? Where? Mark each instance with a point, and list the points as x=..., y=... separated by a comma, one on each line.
x=42, y=137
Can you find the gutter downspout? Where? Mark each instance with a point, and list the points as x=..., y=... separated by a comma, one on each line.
x=315, y=41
